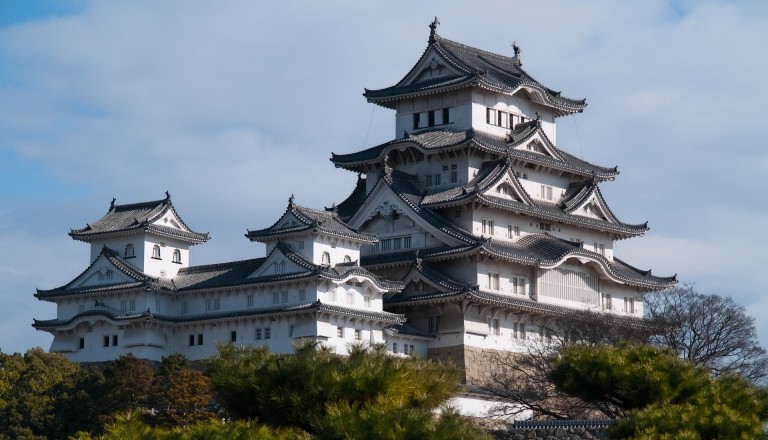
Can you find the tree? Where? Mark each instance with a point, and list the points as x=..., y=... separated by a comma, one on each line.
x=521, y=382
x=709, y=330
x=367, y=394
x=128, y=386
x=661, y=395
x=181, y=395
x=31, y=387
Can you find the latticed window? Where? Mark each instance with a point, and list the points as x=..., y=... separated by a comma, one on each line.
x=156, y=252
x=326, y=259
x=176, y=256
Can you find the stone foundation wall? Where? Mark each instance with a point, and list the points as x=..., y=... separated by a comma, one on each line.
x=477, y=363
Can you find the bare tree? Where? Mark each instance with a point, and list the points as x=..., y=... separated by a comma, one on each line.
x=521, y=382
x=709, y=330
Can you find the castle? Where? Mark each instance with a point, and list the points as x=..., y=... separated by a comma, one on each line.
x=465, y=233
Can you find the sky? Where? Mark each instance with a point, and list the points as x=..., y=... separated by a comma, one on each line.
x=234, y=106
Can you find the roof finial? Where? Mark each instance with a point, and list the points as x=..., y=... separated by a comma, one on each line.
x=516, y=58
x=538, y=116
x=290, y=200
x=432, y=27
x=168, y=195
x=112, y=205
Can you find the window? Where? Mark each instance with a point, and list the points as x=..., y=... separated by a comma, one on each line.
x=368, y=301
x=629, y=305
x=446, y=116
x=290, y=331
x=258, y=334
x=114, y=340
x=129, y=250
x=302, y=294
x=546, y=192
x=267, y=332
x=249, y=300
x=518, y=330
x=493, y=281
x=397, y=243
x=233, y=336
x=177, y=256
x=600, y=248
x=487, y=226
x=394, y=347
x=416, y=120
x=301, y=244
x=607, y=302
x=340, y=332
x=326, y=259
x=284, y=296
x=431, y=118
x=358, y=335
x=429, y=180
x=82, y=343
x=106, y=340
x=518, y=285
x=184, y=307
x=497, y=117
x=545, y=226
x=347, y=259
x=123, y=305
x=407, y=242
x=493, y=326
x=437, y=179
x=433, y=324
x=200, y=339
x=156, y=252
x=454, y=173
x=275, y=297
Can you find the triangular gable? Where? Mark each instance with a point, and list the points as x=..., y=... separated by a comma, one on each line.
x=540, y=145
x=102, y=272
x=595, y=207
x=277, y=263
x=169, y=218
x=431, y=65
x=383, y=201
x=509, y=187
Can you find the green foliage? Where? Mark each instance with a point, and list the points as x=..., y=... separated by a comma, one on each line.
x=664, y=397
x=367, y=394
x=30, y=388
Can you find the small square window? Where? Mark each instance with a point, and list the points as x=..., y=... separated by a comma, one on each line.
x=82, y=343
x=267, y=333
x=258, y=334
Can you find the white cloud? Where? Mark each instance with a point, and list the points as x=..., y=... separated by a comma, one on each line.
x=234, y=106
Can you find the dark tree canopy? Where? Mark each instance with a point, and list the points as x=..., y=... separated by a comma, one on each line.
x=709, y=330
x=367, y=394
x=661, y=395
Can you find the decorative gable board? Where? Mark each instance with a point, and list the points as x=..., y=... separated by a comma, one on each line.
x=384, y=202
x=277, y=263
x=431, y=66
x=101, y=273
x=171, y=220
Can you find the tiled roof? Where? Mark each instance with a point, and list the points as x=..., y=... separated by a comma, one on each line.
x=406, y=330
x=476, y=68
x=138, y=217
x=440, y=140
x=541, y=250
x=491, y=172
x=327, y=222
x=315, y=307
x=519, y=303
x=137, y=279
x=353, y=202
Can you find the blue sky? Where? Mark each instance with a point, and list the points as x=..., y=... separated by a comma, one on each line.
x=234, y=106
